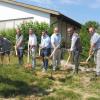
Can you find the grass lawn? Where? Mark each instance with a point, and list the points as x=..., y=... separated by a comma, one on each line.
x=18, y=83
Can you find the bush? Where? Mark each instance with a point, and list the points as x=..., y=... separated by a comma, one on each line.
x=85, y=39
x=9, y=34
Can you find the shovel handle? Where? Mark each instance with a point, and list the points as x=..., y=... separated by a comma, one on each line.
x=68, y=58
x=89, y=57
x=28, y=54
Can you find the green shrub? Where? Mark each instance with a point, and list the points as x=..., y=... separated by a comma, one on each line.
x=85, y=41
x=9, y=34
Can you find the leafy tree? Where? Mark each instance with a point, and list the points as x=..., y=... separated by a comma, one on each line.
x=9, y=34
x=92, y=23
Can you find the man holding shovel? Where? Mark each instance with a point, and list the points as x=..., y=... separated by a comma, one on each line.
x=45, y=49
x=55, y=43
x=75, y=48
x=32, y=44
x=95, y=47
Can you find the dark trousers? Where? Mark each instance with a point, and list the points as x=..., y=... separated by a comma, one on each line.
x=75, y=60
x=45, y=53
x=20, y=56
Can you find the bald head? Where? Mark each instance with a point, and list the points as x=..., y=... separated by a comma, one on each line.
x=56, y=30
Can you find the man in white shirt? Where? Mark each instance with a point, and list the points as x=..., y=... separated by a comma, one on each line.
x=55, y=42
x=95, y=48
x=45, y=49
x=32, y=44
x=74, y=49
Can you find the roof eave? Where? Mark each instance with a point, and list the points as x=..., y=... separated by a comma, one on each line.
x=31, y=7
x=73, y=21
x=53, y=12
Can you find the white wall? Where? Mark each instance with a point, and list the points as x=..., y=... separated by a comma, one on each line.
x=13, y=23
x=9, y=11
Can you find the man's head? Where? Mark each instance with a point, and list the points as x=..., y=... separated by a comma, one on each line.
x=56, y=30
x=30, y=31
x=43, y=33
x=91, y=30
x=70, y=30
x=18, y=31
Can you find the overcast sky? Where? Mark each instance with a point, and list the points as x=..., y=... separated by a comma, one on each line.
x=79, y=10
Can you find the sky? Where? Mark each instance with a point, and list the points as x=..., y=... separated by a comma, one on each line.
x=79, y=10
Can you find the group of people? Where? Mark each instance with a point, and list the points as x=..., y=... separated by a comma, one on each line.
x=52, y=45
x=47, y=45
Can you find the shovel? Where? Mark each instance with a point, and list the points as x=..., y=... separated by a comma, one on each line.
x=87, y=60
x=28, y=65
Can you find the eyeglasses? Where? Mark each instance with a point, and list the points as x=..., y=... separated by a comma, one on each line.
x=69, y=31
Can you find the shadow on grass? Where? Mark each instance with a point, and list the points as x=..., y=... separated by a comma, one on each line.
x=12, y=88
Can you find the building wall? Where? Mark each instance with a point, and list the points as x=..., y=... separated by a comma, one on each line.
x=62, y=25
x=64, y=29
x=9, y=13
x=54, y=21
x=5, y=24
